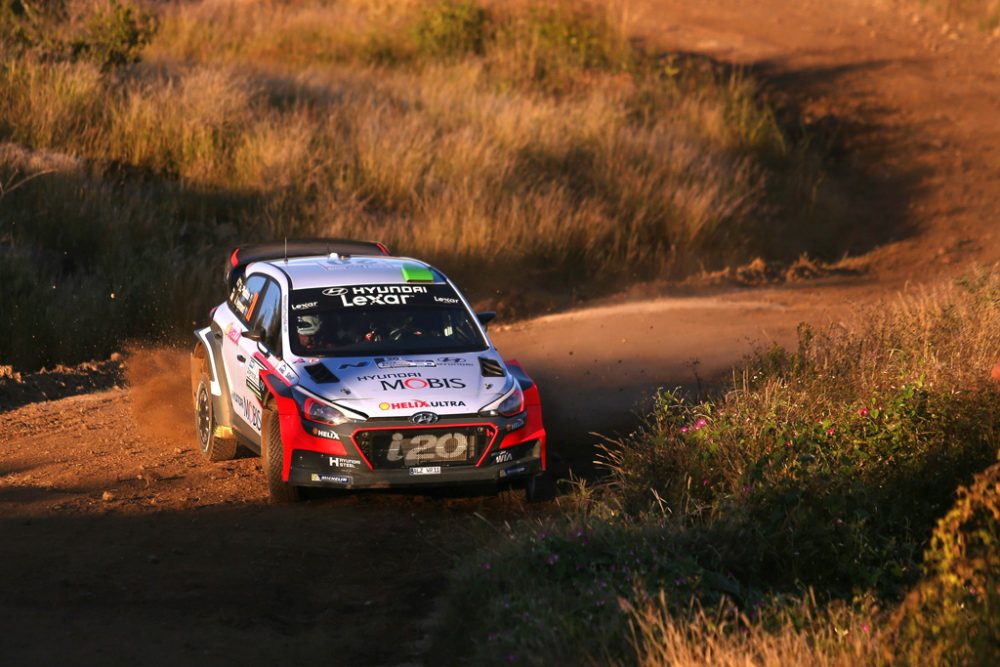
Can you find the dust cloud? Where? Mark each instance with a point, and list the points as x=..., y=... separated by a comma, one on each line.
x=159, y=378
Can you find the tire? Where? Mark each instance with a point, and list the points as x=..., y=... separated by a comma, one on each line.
x=272, y=460
x=540, y=488
x=214, y=448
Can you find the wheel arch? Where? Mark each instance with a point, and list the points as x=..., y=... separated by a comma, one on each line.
x=207, y=354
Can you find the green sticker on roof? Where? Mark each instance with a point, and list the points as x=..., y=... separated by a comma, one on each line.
x=415, y=273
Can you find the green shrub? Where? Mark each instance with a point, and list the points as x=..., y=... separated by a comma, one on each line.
x=110, y=34
x=818, y=475
x=797, y=471
x=452, y=30
x=552, y=45
x=115, y=35
x=953, y=618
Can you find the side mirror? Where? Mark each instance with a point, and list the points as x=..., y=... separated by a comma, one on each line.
x=256, y=334
x=486, y=317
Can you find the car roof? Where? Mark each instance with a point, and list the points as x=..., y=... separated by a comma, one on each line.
x=327, y=271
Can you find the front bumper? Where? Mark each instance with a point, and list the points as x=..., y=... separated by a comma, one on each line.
x=318, y=454
x=507, y=464
x=342, y=457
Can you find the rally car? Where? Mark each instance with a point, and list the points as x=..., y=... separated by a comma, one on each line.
x=345, y=367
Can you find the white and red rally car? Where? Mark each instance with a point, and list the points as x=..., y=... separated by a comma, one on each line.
x=345, y=367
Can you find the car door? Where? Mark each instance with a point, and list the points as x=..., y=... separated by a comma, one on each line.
x=266, y=317
x=244, y=305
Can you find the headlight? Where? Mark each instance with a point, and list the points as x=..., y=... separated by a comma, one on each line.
x=319, y=411
x=509, y=405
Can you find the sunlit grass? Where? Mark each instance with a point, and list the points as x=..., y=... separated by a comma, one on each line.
x=785, y=519
x=509, y=143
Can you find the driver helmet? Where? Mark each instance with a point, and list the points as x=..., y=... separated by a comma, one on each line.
x=307, y=325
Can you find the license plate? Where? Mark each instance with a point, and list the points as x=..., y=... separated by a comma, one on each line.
x=424, y=447
x=426, y=470
x=411, y=450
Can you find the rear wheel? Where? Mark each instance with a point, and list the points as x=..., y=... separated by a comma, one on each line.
x=212, y=446
x=272, y=456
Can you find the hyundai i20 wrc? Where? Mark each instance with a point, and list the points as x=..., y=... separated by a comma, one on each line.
x=347, y=368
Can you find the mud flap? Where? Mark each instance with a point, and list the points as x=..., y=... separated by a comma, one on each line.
x=219, y=389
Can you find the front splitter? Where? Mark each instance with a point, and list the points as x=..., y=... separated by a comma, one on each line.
x=320, y=470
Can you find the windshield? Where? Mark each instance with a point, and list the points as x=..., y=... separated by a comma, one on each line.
x=366, y=320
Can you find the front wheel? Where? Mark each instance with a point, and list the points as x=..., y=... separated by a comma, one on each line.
x=540, y=488
x=272, y=456
x=212, y=446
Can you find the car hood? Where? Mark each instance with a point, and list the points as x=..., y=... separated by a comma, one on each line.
x=401, y=386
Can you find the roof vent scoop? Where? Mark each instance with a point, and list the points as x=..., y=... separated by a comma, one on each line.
x=491, y=368
x=321, y=374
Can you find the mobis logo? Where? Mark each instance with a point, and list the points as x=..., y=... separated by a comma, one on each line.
x=423, y=383
x=374, y=295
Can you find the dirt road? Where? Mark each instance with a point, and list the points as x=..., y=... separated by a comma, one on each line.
x=121, y=545
x=913, y=98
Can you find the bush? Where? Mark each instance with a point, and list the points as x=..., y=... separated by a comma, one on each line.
x=452, y=30
x=115, y=35
x=552, y=45
x=953, y=618
x=806, y=491
x=110, y=34
x=796, y=472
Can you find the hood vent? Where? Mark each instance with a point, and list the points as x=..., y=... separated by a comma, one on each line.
x=491, y=368
x=321, y=374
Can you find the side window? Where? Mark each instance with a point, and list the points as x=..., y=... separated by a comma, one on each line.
x=268, y=316
x=245, y=296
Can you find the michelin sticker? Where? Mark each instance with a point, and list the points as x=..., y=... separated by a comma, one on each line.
x=331, y=479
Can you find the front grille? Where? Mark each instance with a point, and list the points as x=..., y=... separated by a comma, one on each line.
x=406, y=447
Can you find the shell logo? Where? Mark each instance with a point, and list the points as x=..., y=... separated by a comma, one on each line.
x=383, y=406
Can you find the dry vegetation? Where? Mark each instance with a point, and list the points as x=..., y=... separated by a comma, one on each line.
x=835, y=637
x=513, y=145
x=789, y=519
x=984, y=13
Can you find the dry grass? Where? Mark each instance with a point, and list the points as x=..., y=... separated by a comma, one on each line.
x=432, y=163
x=986, y=13
x=782, y=520
x=824, y=639
x=511, y=144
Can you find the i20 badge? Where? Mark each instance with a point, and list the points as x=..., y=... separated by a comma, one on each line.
x=424, y=418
